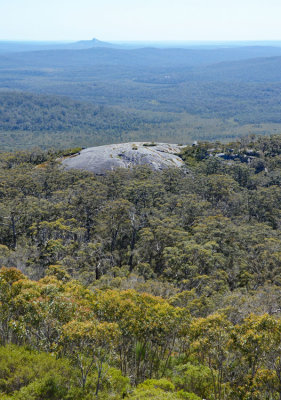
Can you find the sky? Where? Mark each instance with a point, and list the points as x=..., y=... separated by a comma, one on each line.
x=144, y=20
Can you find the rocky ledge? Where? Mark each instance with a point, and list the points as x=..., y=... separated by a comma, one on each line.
x=125, y=155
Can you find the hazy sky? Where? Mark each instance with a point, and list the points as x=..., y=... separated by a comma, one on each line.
x=140, y=19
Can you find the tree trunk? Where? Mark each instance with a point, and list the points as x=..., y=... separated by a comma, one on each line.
x=13, y=225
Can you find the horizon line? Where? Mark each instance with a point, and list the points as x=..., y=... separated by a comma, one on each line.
x=141, y=40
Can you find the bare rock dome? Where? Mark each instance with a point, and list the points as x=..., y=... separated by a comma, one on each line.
x=125, y=155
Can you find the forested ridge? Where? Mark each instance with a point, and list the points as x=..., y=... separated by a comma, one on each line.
x=104, y=95
x=142, y=284
x=28, y=120
x=200, y=112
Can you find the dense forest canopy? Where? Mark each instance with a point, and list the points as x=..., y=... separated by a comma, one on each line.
x=142, y=284
x=172, y=95
x=27, y=119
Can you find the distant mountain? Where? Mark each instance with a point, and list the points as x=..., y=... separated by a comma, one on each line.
x=7, y=47
x=87, y=44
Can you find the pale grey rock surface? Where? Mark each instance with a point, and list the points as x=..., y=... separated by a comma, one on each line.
x=125, y=155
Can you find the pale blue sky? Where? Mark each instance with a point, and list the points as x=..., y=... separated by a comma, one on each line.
x=140, y=19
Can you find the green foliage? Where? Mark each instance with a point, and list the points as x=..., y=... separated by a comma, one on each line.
x=48, y=388
x=26, y=374
x=193, y=378
x=140, y=283
x=157, y=394
x=163, y=384
x=29, y=375
x=71, y=152
x=149, y=144
x=152, y=388
x=188, y=396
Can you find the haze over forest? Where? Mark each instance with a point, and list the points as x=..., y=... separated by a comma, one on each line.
x=162, y=94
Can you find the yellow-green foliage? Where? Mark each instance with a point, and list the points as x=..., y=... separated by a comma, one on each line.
x=149, y=284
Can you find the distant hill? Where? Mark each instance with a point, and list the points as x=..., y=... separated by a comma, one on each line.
x=120, y=95
x=93, y=53
x=256, y=70
x=28, y=120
